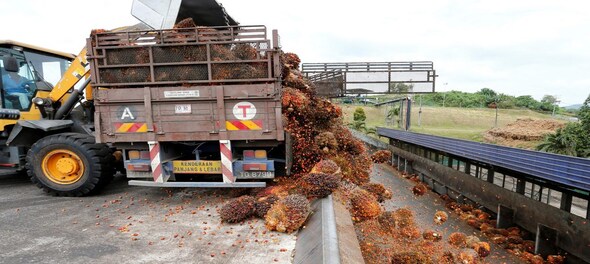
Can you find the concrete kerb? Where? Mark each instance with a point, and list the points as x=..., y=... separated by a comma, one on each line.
x=327, y=236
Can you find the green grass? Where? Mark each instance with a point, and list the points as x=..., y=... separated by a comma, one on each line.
x=463, y=123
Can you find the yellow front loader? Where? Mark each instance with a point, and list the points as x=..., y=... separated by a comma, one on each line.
x=46, y=120
x=47, y=110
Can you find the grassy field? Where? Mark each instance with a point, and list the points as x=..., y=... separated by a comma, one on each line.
x=464, y=123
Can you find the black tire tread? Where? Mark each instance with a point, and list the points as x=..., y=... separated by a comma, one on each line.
x=99, y=155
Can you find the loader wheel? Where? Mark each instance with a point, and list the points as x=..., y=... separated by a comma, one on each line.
x=69, y=164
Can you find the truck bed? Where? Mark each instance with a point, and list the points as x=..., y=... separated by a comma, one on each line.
x=193, y=113
x=188, y=84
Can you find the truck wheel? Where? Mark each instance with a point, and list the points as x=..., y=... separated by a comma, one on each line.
x=69, y=164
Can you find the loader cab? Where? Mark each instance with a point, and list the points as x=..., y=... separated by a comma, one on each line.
x=18, y=83
x=45, y=64
x=28, y=71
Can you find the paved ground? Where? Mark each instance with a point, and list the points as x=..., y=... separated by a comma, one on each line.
x=129, y=224
x=424, y=208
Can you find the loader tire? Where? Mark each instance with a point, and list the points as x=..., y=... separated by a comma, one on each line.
x=70, y=164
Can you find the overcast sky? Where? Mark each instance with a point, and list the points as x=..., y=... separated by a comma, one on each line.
x=525, y=47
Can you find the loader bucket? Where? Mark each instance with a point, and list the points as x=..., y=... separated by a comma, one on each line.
x=164, y=14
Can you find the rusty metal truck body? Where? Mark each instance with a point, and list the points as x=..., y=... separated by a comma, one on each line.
x=190, y=107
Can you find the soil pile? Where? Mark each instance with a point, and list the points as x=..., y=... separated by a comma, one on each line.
x=523, y=132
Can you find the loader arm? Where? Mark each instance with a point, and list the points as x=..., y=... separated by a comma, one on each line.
x=78, y=69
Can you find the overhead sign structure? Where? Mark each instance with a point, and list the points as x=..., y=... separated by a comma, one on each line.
x=354, y=78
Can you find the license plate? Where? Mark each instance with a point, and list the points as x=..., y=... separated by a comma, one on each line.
x=256, y=175
x=196, y=166
x=182, y=109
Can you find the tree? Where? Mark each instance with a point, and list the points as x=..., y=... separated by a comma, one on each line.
x=487, y=92
x=359, y=118
x=549, y=99
x=547, y=102
x=505, y=101
x=359, y=115
x=400, y=88
x=584, y=117
x=584, y=114
x=392, y=115
x=489, y=95
x=564, y=141
x=526, y=101
x=574, y=138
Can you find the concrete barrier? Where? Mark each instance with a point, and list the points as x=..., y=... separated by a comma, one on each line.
x=328, y=236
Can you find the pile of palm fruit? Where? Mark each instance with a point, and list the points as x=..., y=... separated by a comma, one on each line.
x=230, y=61
x=512, y=239
x=327, y=159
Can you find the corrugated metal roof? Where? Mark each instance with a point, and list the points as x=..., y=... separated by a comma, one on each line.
x=572, y=172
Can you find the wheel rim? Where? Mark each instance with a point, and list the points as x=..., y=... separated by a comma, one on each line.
x=62, y=166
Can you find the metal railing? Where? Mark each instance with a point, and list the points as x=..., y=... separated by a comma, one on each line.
x=202, y=55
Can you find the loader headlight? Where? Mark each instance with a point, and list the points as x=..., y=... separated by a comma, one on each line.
x=38, y=101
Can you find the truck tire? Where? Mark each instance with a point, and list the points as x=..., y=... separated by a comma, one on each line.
x=69, y=164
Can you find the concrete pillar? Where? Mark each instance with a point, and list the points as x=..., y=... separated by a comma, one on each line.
x=546, y=240
x=490, y=175
x=505, y=217
x=421, y=176
x=439, y=188
x=406, y=165
x=566, y=202
x=540, y=193
x=520, y=184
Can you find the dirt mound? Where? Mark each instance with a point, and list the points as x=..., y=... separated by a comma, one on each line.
x=522, y=132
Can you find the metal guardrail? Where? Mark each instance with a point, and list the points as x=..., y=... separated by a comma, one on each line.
x=569, y=171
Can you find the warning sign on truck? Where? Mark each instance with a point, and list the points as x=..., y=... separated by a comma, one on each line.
x=196, y=166
x=244, y=110
x=181, y=94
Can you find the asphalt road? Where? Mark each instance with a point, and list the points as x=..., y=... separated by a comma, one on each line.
x=127, y=224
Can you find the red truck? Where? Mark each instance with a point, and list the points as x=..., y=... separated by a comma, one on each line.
x=191, y=107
